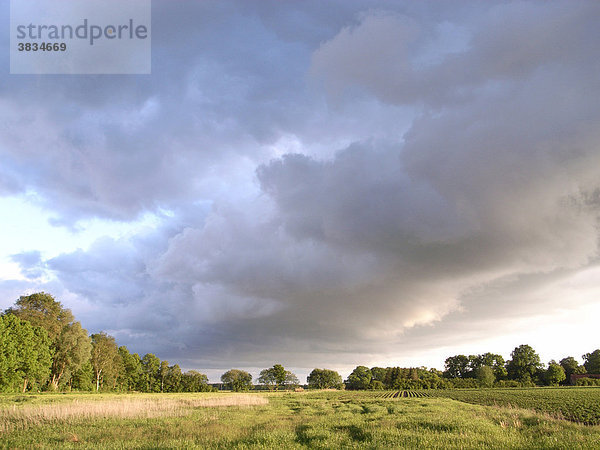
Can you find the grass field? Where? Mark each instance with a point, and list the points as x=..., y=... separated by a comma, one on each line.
x=279, y=420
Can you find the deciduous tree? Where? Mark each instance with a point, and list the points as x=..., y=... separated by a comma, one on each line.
x=524, y=364
x=151, y=368
x=237, y=380
x=457, y=366
x=325, y=379
x=172, y=379
x=569, y=365
x=25, y=354
x=592, y=361
x=493, y=360
x=70, y=343
x=360, y=378
x=277, y=376
x=291, y=380
x=105, y=360
x=485, y=376
x=267, y=378
x=132, y=375
x=555, y=374
x=194, y=381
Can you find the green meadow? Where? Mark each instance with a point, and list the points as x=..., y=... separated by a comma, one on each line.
x=321, y=419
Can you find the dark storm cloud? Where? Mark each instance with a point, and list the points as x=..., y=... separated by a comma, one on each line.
x=343, y=183
x=118, y=146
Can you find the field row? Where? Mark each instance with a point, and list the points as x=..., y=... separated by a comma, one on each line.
x=399, y=394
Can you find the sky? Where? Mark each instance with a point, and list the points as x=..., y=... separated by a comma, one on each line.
x=317, y=184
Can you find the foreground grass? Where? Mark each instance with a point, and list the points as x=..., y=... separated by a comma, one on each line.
x=316, y=420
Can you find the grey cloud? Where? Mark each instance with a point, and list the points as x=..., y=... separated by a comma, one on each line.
x=502, y=44
x=448, y=171
x=118, y=146
x=31, y=264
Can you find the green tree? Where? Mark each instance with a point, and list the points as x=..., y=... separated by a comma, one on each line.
x=291, y=380
x=83, y=378
x=277, y=376
x=485, y=376
x=106, y=360
x=194, y=381
x=493, y=360
x=376, y=385
x=131, y=377
x=8, y=356
x=172, y=379
x=457, y=366
x=70, y=343
x=592, y=361
x=163, y=370
x=325, y=379
x=555, y=374
x=72, y=350
x=237, y=380
x=151, y=368
x=524, y=364
x=25, y=354
x=267, y=377
x=378, y=374
x=432, y=379
x=569, y=365
x=360, y=378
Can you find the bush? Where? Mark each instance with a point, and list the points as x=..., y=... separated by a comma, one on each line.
x=586, y=381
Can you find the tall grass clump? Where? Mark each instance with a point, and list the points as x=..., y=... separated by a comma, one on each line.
x=26, y=416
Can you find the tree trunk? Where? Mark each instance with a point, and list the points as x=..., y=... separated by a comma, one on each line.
x=60, y=374
x=56, y=375
x=98, y=380
x=25, y=385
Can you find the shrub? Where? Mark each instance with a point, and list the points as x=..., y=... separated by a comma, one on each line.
x=586, y=381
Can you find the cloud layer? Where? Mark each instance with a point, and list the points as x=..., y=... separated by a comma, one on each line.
x=331, y=191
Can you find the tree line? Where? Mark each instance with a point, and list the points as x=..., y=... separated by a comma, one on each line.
x=277, y=378
x=485, y=370
x=43, y=347
x=524, y=368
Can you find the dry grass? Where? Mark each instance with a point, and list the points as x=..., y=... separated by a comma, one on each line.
x=21, y=417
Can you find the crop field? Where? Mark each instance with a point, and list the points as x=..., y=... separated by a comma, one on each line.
x=399, y=394
x=578, y=404
x=326, y=419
